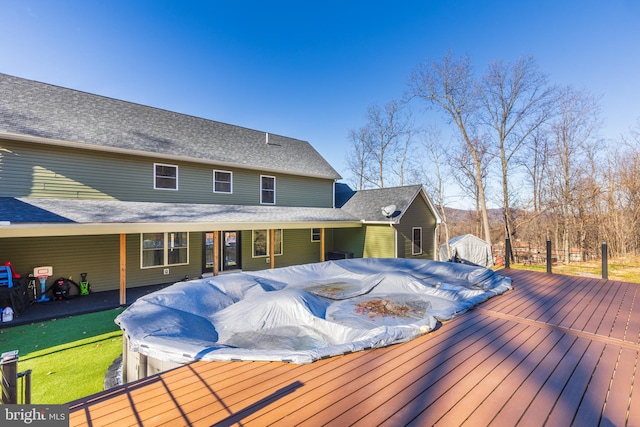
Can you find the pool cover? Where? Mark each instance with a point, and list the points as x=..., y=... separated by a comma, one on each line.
x=304, y=313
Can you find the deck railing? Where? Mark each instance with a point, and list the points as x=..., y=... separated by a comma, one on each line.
x=549, y=259
x=14, y=381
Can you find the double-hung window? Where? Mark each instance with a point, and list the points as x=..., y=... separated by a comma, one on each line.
x=222, y=182
x=316, y=235
x=164, y=249
x=165, y=177
x=416, y=240
x=267, y=190
x=261, y=244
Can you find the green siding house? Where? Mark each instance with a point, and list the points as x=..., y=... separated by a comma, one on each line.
x=135, y=195
x=397, y=222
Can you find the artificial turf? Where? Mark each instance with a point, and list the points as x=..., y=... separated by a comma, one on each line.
x=68, y=357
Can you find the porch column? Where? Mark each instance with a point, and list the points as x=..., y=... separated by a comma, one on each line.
x=216, y=253
x=272, y=248
x=322, y=245
x=123, y=269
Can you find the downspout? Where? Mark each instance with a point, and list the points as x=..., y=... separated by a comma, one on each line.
x=395, y=240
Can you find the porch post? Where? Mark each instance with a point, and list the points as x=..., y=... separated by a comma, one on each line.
x=322, y=244
x=123, y=269
x=272, y=248
x=216, y=253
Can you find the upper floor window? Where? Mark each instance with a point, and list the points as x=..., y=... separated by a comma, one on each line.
x=267, y=190
x=222, y=182
x=164, y=249
x=165, y=177
x=417, y=241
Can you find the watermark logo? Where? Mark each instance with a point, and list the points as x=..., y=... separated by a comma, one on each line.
x=34, y=415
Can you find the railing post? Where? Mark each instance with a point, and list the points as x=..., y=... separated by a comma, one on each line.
x=9, y=368
x=605, y=266
x=507, y=253
x=26, y=386
x=548, y=256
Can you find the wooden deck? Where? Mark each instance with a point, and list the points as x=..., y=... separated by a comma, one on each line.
x=556, y=351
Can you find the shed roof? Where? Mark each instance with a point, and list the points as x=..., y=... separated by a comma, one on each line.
x=52, y=114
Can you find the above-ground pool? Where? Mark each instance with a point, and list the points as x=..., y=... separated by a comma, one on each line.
x=299, y=314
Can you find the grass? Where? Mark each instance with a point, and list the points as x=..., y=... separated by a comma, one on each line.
x=68, y=357
x=623, y=269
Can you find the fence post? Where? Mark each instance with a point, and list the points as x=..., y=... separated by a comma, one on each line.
x=548, y=256
x=605, y=266
x=9, y=368
x=507, y=253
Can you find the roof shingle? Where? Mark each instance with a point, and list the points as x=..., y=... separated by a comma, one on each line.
x=47, y=111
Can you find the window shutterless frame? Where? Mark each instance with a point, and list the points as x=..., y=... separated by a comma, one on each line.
x=165, y=177
x=267, y=190
x=260, y=243
x=222, y=181
x=164, y=249
x=416, y=240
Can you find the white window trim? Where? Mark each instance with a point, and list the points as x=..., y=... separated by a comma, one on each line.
x=230, y=182
x=274, y=189
x=413, y=242
x=166, y=248
x=253, y=249
x=319, y=235
x=155, y=165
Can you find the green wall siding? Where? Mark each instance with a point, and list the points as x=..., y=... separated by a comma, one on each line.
x=34, y=170
x=418, y=215
x=99, y=256
x=349, y=240
x=369, y=241
x=379, y=242
x=297, y=249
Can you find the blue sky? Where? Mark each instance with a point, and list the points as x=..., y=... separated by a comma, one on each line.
x=309, y=70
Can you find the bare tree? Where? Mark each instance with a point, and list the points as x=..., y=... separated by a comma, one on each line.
x=450, y=87
x=379, y=143
x=358, y=159
x=535, y=160
x=460, y=160
x=574, y=133
x=435, y=176
x=517, y=100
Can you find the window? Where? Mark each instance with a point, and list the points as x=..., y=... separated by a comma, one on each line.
x=222, y=182
x=315, y=234
x=165, y=177
x=267, y=190
x=164, y=249
x=417, y=241
x=260, y=241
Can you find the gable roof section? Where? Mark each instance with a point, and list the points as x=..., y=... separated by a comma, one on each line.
x=368, y=204
x=45, y=113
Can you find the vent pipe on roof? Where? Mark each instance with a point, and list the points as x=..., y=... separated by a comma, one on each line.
x=266, y=134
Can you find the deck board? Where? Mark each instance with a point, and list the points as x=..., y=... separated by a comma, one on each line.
x=556, y=350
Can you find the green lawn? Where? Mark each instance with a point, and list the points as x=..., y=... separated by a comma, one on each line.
x=68, y=357
x=625, y=269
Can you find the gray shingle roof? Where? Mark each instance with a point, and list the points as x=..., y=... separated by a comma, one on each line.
x=42, y=110
x=368, y=204
x=20, y=210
